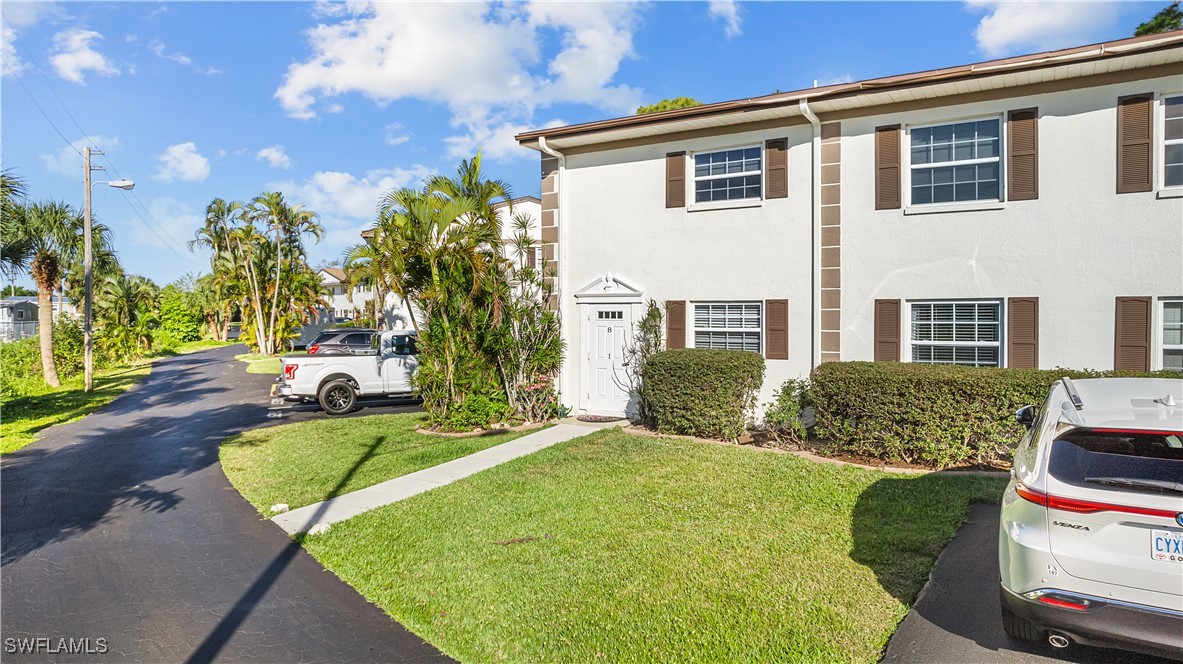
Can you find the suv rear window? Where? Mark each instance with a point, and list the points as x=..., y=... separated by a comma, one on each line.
x=356, y=339
x=1083, y=454
x=323, y=337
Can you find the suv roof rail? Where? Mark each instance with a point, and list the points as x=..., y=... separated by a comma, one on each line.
x=1072, y=393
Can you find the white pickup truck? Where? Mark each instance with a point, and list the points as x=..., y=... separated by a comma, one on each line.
x=338, y=381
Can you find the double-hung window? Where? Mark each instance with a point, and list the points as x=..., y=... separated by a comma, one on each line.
x=729, y=325
x=1172, y=141
x=956, y=333
x=728, y=175
x=954, y=163
x=1172, y=335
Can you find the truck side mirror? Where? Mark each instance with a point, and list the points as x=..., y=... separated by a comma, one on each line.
x=1026, y=416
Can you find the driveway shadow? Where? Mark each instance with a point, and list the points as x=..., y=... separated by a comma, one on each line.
x=955, y=618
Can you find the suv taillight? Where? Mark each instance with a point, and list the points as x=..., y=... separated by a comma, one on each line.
x=289, y=371
x=313, y=348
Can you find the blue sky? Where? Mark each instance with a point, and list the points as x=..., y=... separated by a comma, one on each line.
x=335, y=103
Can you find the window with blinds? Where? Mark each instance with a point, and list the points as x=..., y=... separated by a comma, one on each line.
x=956, y=333
x=1172, y=335
x=728, y=325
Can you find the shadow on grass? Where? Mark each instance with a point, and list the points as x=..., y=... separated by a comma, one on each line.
x=217, y=639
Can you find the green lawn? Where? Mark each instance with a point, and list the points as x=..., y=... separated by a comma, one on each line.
x=617, y=548
x=264, y=364
x=40, y=406
x=303, y=463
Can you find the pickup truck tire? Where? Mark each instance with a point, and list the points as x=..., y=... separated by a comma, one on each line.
x=337, y=397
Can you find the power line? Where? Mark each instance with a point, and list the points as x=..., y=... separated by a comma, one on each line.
x=91, y=141
x=43, y=113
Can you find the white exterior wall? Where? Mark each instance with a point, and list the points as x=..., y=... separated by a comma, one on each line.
x=508, y=229
x=613, y=219
x=1076, y=248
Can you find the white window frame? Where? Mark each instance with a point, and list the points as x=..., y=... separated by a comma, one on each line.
x=691, y=179
x=1161, y=132
x=759, y=329
x=1160, y=345
x=1001, y=343
x=906, y=158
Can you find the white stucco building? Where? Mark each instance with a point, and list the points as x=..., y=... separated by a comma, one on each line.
x=351, y=302
x=1025, y=212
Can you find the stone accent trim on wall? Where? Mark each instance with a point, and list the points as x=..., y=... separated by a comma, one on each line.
x=830, y=302
x=550, y=223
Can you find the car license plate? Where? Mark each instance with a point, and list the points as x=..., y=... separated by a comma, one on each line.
x=1166, y=545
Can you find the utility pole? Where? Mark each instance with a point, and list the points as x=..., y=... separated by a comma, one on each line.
x=88, y=284
x=87, y=332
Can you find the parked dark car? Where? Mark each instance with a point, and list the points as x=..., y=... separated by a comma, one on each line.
x=342, y=341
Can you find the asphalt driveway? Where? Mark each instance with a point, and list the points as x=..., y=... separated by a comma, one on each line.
x=122, y=528
x=955, y=619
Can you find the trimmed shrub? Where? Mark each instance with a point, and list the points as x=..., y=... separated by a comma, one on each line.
x=702, y=392
x=936, y=415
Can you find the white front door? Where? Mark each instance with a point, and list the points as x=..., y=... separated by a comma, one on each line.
x=607, y=387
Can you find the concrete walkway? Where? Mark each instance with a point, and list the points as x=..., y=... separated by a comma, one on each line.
x=349, y=505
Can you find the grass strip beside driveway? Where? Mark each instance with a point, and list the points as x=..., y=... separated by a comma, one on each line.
x=22, y=418
x=303, y=463
x=614, y=547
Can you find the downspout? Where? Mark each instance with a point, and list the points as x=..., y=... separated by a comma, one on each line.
x=815, y=220
x=561, y=254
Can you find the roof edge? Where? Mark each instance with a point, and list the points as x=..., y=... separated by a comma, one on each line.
x=1097, y=51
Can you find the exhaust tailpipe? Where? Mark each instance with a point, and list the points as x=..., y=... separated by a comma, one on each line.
x=1058, y=641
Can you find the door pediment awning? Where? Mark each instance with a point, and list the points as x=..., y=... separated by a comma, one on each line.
x=609, y=287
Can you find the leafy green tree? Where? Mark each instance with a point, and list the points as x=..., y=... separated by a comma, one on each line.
x=19, y=291
x=669, y=105
x=180, y=316
x=1168, y=19
x=126, y=310
x=45, y=238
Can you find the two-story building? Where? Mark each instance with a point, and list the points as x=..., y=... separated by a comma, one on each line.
x=1023, y=212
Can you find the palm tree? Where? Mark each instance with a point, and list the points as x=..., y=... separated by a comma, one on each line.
x=50, y=235
x=290, y=224
x=14, y=251
x=214, y=234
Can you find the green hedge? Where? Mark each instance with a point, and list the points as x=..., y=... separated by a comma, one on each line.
x=937, y=415
x=701, y=392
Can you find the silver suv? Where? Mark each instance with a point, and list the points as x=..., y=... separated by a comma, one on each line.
x=1090, y=547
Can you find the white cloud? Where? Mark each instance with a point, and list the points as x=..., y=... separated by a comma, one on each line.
x=1011, y=27
x=275, y=156
x=66, y=161
x=182, y=162
x=341, y=194
x=178, y=219
x=158, y=47
x=494, y=138
x=335, y=108
x=73, y=55
x=17, y=17
x=728, y=12
x=494, y=77
x=396, y=134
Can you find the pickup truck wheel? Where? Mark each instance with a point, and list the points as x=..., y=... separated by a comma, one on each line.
x=337, y=397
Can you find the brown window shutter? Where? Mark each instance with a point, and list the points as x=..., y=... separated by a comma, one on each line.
x=675, y=180
x=776, y=329
x=1022, y=333
x=1134, y=149
x=887, y=330
x=1022, y=147
x=1131, y=335
x=887, y=167
x=675, y=324
x=776, y=165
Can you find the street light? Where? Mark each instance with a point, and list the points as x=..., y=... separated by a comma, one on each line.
x=87, y=332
